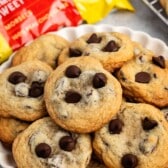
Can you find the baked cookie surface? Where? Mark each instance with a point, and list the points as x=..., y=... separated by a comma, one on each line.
x=45, y=48
x=135, y=138
x=142, y=52
x=81, y=95
x=112, y=49
x=145, y=79
x=10, y=128
x=21, y=91
x=44, y=144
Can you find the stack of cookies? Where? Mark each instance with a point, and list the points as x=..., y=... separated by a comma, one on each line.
x=92, y=103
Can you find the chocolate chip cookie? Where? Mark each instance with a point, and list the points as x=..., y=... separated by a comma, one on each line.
x=81, y=95
x=145, y=79
x=10, y=128
x=112, y=49
x=21, y=91
x=136, y=137
x=44, y=144
x=45, y=48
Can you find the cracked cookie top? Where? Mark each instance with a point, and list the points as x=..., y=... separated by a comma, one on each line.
x=112, y=49
x=22, y=89
x=44, y=144
x=45, y=48
x=80, y=96
x=135, y=138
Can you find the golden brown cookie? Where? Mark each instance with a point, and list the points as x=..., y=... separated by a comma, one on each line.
x=81, y=95
x=112, y=49
x=145, y=79
x=136, y=137
x=45, y=48
x=21, y=91
x=45, y=145
x=10, y=128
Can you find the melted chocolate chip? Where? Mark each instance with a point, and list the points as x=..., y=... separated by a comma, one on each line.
x=148, y=124
x=115, y=126
x=43, y=150
x=72, y=97
x=17, y=77
x=129, y=161
x=142, y=77
x=67, y=143
x=99, y=80
x=94, y=39
x=111, y=47
x=74, y=52
x=36, y=90
x=159, y=61
x=72, y=71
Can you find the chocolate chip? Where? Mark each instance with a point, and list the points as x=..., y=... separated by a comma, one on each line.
x=94, y=39
x=74, y=52
x=17, y=77
x=72, y=71
x=99, y=80
x=115, y=126
x=129, y=161
x=159, y=61
x=36, y=90
x=67, y=143
x=142, y=77
x=43, y=150
x=111, y=47
x=72, y=97
x=148, y=124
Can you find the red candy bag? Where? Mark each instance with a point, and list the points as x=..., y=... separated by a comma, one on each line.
x=22, y=21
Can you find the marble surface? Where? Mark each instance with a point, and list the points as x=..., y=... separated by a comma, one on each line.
x=143, y=19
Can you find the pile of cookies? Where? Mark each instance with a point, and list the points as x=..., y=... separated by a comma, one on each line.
x=92, y=103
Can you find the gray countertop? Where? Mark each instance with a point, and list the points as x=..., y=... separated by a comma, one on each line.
x=143, y=19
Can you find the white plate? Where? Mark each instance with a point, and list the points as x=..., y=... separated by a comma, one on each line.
x=71, y=33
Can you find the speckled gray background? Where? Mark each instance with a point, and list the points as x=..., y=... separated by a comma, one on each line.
x=143, y=19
